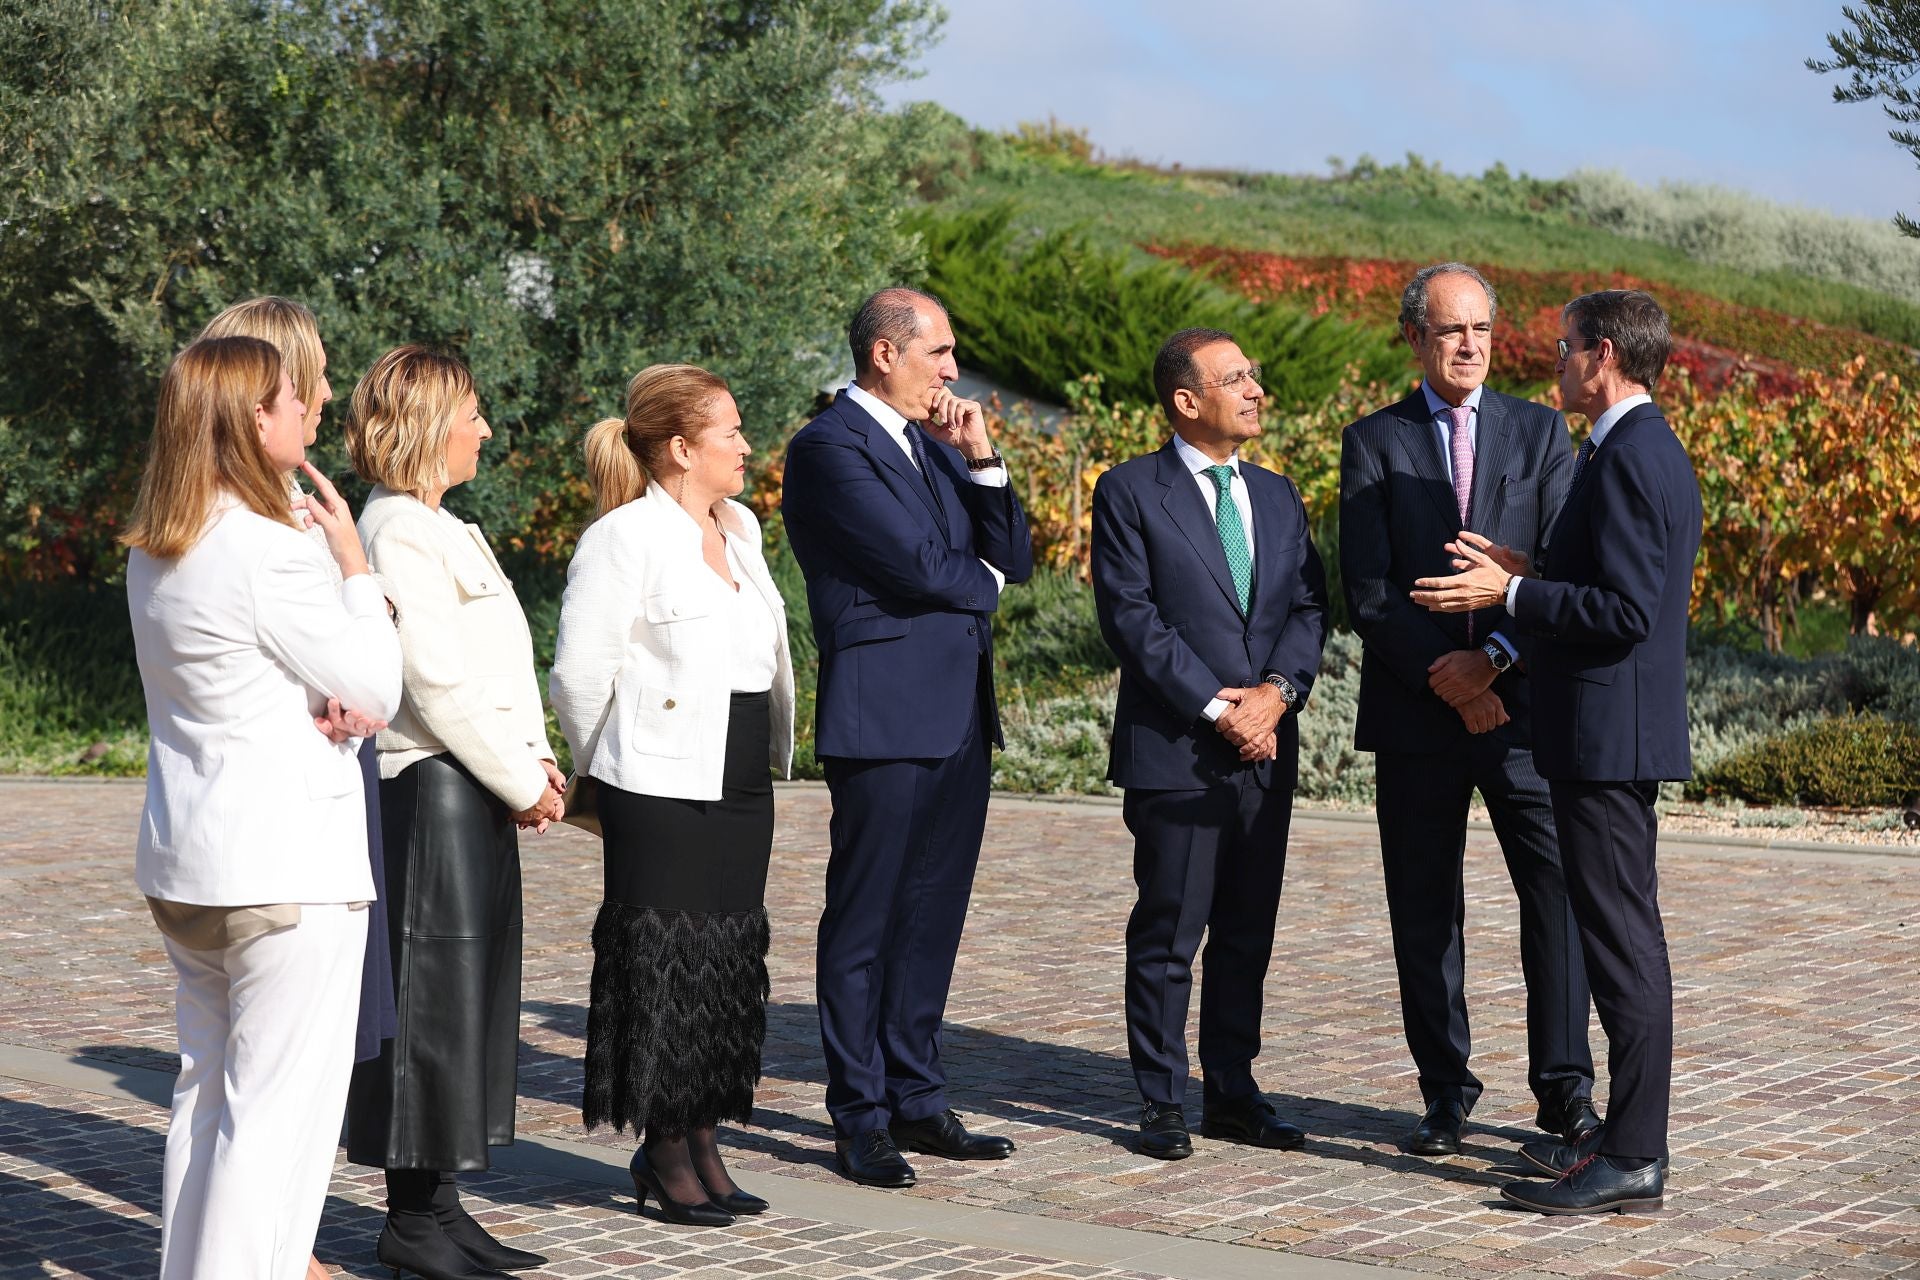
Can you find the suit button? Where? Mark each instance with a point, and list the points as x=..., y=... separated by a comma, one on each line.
x=668, y=704
x=971, y=629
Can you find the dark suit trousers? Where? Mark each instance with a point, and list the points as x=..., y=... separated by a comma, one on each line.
x=905, y=840
x=1206, y=861
x=1422, y=809
x=1607, y=834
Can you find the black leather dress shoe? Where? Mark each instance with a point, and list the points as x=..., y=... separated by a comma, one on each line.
x=872, y=1160
x=1555, y=1158
x=1438, y=1133
x=1251, y=1120
x=944, y=1135
x=1163, y=1132
x=1592, y=1186
x=1569, y=1120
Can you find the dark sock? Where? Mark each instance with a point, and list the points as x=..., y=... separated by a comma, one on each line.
x=1628, y=1164
x=411, y=1190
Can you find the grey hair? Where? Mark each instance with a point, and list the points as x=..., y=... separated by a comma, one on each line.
x=892, y=314
x=1413, y=301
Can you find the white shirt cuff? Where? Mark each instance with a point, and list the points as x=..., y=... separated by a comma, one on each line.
x=1502, y=641
x=1215, y=709
x=1513, y=589
x=991, y=477
x=999, y=578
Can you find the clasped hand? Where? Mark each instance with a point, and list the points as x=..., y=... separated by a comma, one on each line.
x=341, y=723
x=1252, y=722
x=549, y=808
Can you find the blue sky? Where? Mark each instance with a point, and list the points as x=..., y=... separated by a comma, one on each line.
x=1698, y=90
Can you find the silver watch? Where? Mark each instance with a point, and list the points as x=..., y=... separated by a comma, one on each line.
x=1288, y=694
x=1498, y=656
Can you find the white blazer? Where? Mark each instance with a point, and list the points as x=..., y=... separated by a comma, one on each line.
x=470, y=688
x=642, y=626
x=240, y=641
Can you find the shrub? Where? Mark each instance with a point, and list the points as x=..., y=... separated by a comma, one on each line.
x=1038, y=311
x=1856, y=761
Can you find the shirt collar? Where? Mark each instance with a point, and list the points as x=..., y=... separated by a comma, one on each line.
x=1605, y=422
x=882, y=412
x=1438, y=408
x=1196, y=461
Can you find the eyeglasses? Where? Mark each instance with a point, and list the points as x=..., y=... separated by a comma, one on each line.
x=1249, y=374
x=1564, y=345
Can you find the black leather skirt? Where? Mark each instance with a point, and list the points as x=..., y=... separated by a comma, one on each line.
x=442, y=1090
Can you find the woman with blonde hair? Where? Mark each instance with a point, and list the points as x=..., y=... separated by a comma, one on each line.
x=292, y=330
x=673, y=685
x=252, y=847
x=463, y=763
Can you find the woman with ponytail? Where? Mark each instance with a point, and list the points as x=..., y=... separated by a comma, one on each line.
x=672, y=682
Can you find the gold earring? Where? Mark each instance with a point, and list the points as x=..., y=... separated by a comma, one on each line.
x=682, y=495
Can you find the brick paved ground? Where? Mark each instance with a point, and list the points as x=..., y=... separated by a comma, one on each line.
x=1795, y=1119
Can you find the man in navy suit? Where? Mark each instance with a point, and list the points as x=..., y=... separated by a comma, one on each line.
x=1445, y=706
x=901, y=516
x=1608, y=617
x=1212, y=597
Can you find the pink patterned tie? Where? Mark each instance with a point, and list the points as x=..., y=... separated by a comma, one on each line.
x=1460, y=442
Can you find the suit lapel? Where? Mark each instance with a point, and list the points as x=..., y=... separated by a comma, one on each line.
x=1493, y=442
x=1420, y=440
x=1188, y=511
x=891, y=457
x=1267, y=498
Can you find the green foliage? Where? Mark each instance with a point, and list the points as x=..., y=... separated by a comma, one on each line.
x=1881, y=56
x=1039, y=309
x=1732, y=229
x=1412, y=211
x=1852, y=761
x=1053, y=633
x=561, y=193
x=68, y=681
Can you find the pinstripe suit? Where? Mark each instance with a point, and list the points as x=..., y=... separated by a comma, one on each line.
x=1397, y=512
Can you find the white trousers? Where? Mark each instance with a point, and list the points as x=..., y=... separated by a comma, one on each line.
x=266, y=1051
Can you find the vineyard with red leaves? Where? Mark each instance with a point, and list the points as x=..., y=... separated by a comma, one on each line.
x=1714, y=341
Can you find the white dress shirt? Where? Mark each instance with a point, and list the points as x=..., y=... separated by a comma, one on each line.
x=1602, y=426
x=1196, y=464
x=755, y=637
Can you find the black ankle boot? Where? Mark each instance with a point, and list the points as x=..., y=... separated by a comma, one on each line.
x=472, y=1238
x=413, y=1243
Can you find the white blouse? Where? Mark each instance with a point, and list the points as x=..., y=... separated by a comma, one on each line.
x=755, y=634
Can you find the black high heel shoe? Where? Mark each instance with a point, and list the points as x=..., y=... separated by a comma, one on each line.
x=739, y=1202
x=705, y=1213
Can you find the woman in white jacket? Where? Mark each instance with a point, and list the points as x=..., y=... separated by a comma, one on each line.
x=252, y=848
x=672, y=682
x=464, y=761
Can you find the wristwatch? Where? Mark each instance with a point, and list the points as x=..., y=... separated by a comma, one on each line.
x=1288, y=694
x=987, y=463
x=1499, y=657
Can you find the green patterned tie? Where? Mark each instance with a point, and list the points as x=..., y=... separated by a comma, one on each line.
x=1233, y=535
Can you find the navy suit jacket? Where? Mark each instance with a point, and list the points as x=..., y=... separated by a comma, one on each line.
x=1609, y=613
x=1169, y=612
x=1397, y=513
x=901, y=603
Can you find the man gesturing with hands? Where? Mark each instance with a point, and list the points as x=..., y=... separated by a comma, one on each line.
x=1446, y=707
x=901, y=517
x=1212, y=597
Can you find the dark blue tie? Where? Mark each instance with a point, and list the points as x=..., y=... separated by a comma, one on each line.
x=917, y=444
x=1580, y=461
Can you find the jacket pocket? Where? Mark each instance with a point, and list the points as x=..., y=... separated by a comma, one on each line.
x=476, y=583
x=663, y=723
x=867, y=628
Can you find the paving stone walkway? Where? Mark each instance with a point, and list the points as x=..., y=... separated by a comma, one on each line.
x=1796, y=1106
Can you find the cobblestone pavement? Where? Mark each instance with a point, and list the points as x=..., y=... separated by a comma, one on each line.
x=1796, y=1108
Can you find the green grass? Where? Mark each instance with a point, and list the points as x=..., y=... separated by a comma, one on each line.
x=1387, y=218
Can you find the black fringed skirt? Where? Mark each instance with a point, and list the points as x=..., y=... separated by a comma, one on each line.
x=679, y=1004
